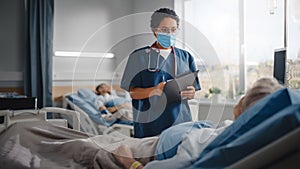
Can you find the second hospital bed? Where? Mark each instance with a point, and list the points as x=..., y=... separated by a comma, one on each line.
x=91, y=121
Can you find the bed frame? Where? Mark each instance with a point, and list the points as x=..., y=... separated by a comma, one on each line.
x=282, y=153
x=15, y=116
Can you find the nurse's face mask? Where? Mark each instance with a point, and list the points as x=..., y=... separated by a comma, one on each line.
x=166, y=32
x=166, y=40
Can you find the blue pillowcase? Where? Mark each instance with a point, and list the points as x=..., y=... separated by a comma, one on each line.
x=267, y=120
x=88, y=95
x=89, y=109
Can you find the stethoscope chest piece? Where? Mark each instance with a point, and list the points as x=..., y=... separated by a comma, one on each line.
x=156, y=68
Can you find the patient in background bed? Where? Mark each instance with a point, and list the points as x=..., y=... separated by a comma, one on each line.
x=194, y=141
x=111, y=105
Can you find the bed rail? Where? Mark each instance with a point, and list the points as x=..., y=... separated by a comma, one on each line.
x=13, y=116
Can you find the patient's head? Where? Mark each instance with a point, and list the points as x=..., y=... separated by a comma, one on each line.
x=261, y=88
x=102, y=89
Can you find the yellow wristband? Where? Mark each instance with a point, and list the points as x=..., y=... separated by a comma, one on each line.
x=135, y=165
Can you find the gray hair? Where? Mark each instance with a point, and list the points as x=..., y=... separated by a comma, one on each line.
x=261, y=88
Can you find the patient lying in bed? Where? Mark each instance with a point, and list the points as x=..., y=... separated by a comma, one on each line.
x=111, y=105
x=56, y=147
x=173, y=153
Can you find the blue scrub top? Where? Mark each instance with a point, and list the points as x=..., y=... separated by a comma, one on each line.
x=153, y=115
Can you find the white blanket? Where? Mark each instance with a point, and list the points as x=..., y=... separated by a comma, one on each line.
x=42, y=145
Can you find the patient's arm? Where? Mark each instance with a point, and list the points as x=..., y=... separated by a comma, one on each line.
x=143, y=93
x=110, y=109
x=114, y=109
x=124, y=155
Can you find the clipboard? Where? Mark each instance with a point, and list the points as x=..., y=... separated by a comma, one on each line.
x=174, y=86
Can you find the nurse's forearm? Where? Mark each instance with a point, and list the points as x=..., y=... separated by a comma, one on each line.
x=143, y=93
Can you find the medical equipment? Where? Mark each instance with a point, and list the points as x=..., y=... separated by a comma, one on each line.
x=156, y=68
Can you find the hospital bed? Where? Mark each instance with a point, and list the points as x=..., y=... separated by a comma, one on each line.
x=90, y=118
x=265, y=136
x=282, y=153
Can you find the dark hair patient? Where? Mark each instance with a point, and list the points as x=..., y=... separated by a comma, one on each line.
x=162, y=13
x=100, y=85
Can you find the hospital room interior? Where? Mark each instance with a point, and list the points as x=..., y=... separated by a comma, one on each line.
x=112, y=84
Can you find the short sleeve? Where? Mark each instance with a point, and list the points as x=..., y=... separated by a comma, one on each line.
x=131, y=73
x=193, y=68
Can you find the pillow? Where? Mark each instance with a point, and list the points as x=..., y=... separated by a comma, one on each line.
x=263, y=110
x=93, y=113
x=88, y=95
x=273, y=128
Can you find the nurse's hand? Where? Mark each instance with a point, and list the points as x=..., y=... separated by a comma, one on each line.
x=188, y=93
x=158, y=90
x=143, y=93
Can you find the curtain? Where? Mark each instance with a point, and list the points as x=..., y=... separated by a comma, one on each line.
x=39, y=16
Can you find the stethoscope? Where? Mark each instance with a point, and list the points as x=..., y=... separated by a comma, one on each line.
x=156, y=69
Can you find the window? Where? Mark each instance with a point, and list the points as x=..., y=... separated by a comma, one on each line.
x=293, y=41
x=244, y=35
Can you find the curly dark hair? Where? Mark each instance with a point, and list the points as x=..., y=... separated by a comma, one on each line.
x=162, y=13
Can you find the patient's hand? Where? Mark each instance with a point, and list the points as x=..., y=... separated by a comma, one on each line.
x=124, y=155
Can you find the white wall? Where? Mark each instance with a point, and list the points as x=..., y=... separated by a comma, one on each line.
x=106, y=22
x=86, y=26
x=74, y=23
x=116, y=26
x=11, y=43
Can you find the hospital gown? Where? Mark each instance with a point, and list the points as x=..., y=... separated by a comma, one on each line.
x=190, y=148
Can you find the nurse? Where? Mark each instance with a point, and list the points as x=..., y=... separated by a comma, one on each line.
x=146, y=73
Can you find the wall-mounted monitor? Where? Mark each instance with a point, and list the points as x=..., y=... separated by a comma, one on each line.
x=279, y=68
